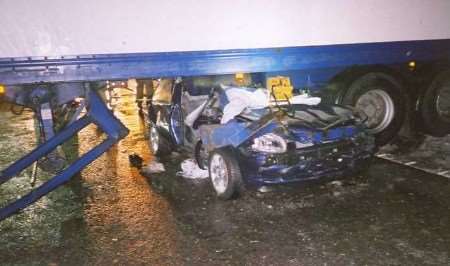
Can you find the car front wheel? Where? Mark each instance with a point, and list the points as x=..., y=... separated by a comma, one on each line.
x=225, y=174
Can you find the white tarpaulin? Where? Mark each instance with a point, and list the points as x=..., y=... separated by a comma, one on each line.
x=190, y=169
x=242, y=98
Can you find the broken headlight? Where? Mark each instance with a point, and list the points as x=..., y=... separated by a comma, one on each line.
x=270, y=143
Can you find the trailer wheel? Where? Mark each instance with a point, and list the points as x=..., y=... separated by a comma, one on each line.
x=383, y=100
x=158, y=143
x=225, y=174
x=434, y=106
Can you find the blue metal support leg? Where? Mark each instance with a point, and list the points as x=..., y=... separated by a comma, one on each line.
x=97, y=114
x=53, y=162
x=43, y=149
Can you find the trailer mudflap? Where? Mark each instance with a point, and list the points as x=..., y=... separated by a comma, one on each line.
x=98, y=114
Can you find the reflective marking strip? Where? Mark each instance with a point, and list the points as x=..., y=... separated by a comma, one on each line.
x=413, y=164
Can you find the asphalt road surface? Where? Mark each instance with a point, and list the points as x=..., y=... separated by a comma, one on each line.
x=111, y=214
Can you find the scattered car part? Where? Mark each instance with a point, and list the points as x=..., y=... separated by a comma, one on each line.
x=153, y=167
x=191, y=170
x=135, y=160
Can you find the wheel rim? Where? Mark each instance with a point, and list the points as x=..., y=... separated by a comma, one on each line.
x=443, y=102
x=154, y=139
x=219, y=173
x=379, y=108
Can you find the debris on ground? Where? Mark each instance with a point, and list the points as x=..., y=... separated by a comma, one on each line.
x=335, y=183
x=190, y=169
x=264, y=189
x=153, y=167
x=175, y=154
x=135, y=160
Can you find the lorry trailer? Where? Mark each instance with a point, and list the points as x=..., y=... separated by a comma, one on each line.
x=390, y=60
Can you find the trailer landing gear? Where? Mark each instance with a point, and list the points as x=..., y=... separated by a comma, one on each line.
x=97, y=114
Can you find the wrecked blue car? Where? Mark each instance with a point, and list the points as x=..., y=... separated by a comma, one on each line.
x=243, y=139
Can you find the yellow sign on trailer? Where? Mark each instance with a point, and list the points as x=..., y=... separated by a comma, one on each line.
x=280, y=88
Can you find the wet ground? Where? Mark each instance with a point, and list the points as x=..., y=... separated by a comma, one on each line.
x=432, y=155
x=110, y=214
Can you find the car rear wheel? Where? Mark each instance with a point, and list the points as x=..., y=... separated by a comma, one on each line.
x=159, y=144
x=383, y=100
x=225, y=174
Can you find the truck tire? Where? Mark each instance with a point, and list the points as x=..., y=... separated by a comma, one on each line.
x=225, y=174
x=434, y=106
x=158, y=142
x=384, y=101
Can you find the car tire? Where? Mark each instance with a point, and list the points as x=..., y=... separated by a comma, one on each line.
x=225, y=174
x=201, y=156
x=385, y=102
x=159, y=144
x=434, y=106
